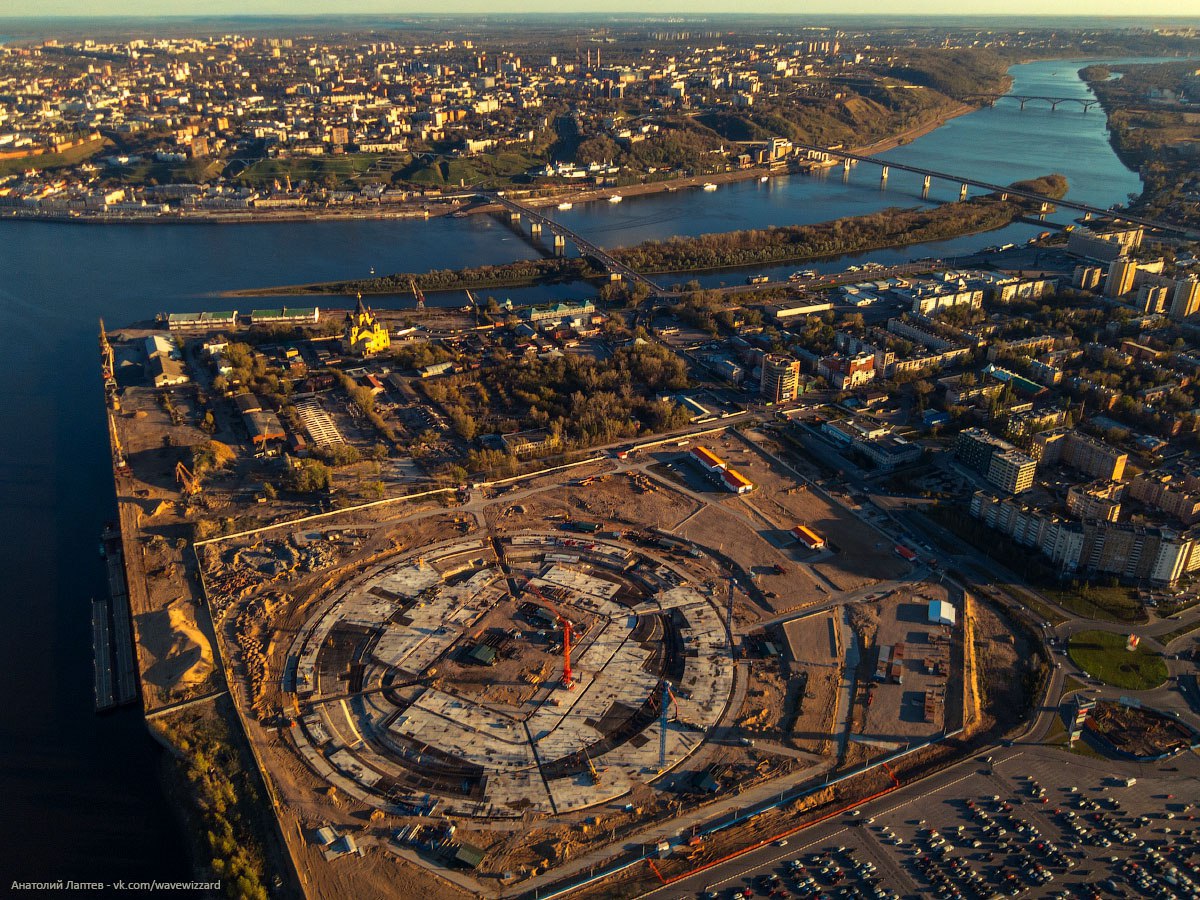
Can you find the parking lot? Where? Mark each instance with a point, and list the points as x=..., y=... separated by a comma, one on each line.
x=1031, y=822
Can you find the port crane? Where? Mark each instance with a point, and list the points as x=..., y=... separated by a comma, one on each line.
x=119, y=461
x=417, y=292
x=474, y=306
x=568, y=680
x=108, y=368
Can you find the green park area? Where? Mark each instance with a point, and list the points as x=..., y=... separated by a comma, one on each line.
x=1103, y=655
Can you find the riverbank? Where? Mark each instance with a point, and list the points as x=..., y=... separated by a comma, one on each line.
x=888, y=228
x=433, y=206
x=1152, y=137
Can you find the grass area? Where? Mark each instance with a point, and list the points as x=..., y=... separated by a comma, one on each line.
x=1072, y=684
x=332, y=169
x=1094, y=601
x=1103, y=655
x=1030, y=600
x=1178, y=633
x=71, y=157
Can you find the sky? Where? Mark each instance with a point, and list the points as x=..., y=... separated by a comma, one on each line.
x=1178, y=9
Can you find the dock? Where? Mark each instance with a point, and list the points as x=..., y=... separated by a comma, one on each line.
x=123, y=676
x=104, y=664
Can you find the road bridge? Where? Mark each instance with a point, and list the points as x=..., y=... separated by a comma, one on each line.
x=539, y=222
x=849, y=159
x=1053, y=102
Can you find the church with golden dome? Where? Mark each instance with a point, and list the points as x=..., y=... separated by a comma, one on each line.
x=362, y=334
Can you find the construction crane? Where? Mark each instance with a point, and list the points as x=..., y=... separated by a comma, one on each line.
x=108, y=367
x=189, y=482
x=118, y=454
x=417, y=292
x=667, y=694
x=592, y=770
x=568, y=680
x=474, y=306
x=731, y=584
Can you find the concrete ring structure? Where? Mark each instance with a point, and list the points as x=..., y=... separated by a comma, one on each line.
x=436, y=681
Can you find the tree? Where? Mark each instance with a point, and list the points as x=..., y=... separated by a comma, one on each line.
x=309, y=477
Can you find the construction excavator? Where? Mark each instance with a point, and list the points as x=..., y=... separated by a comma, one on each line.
x=186, y=480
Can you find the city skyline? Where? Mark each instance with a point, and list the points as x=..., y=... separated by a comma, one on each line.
x=83, y=9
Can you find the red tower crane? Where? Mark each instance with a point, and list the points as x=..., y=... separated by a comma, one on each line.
x=568, y=679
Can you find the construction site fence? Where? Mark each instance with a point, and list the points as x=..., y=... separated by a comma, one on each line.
x=647, y=853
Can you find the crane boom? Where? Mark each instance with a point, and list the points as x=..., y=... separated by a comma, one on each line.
x=568, y=679
x=417, y=292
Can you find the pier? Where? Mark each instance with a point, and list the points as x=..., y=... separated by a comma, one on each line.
x=104, y=664
x=112, y=631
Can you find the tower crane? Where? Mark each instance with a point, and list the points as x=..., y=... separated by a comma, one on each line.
x=474, y=306
x=418, y=293
x=568, y=680
x=667, y=694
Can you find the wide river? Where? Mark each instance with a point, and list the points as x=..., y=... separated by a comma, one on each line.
x=80, y=794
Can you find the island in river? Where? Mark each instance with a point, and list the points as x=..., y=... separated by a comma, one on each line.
x=795, y=243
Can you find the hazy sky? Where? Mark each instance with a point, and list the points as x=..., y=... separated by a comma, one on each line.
x=1174, y=8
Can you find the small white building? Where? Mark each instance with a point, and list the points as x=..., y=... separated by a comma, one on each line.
x=941, y=613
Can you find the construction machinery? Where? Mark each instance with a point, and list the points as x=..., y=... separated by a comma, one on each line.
x=188, y=481
x=119, y=461
x=417, y=293
x=568, y=680
x=474, y=306
x=667, y=695
x=108, y=369
x=593, y=772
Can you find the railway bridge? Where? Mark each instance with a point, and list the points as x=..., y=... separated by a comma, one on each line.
x=850, y=159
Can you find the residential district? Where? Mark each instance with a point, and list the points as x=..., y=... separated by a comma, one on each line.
x=873, y=583
x=230, y=126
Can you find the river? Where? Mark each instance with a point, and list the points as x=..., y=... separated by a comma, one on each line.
x=81, y=799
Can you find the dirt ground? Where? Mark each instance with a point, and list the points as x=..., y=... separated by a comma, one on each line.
x=614, y=500
x=897, y=711
x=860, y=555
x=718, y=529
x=177, y=655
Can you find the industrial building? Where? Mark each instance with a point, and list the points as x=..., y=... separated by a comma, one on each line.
x=720, y=472
x=302, y=315
x=808, y=537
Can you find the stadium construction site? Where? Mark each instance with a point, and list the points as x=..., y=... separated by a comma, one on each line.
x=503, y=684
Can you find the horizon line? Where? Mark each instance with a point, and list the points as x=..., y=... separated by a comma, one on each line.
x=636, y=15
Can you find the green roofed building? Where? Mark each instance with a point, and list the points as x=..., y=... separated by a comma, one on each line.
x=467, y=855
x=299, y=315
x=201, y=321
